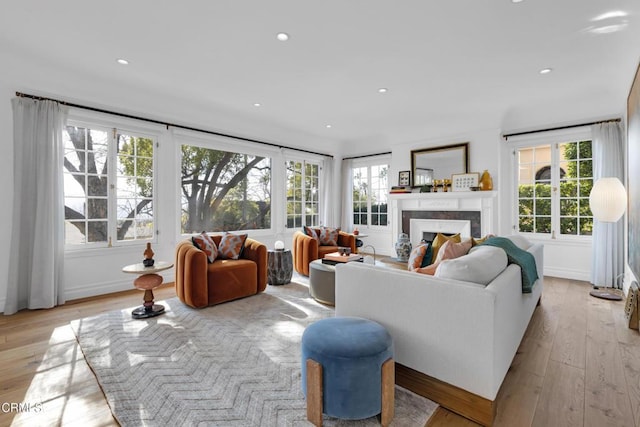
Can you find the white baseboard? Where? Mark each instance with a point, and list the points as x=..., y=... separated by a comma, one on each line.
x=103, y=288
x=95, y=289
x=567, y=273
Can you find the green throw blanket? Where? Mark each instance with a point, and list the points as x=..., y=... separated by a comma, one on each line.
x=524, y=259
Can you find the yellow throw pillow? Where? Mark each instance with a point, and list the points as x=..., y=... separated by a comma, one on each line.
x=439, y=241
x=476, y=242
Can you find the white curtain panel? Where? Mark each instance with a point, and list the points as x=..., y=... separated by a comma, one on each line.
x=607, y=256
x=327, y=202
x=37, y=240
x=347, y=195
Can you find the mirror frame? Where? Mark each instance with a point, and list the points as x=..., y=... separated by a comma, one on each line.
x=463, y=147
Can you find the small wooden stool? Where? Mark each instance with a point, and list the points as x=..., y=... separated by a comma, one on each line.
x=348, y=370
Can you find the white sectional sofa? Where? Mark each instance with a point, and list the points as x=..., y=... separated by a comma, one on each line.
x=454, y=340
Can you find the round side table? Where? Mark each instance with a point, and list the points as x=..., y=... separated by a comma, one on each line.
x=280, y=266
x=147, y=281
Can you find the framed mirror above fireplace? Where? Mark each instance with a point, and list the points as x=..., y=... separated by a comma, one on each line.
x=433, y=163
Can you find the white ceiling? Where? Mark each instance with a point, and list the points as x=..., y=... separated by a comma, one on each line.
x=451, y=67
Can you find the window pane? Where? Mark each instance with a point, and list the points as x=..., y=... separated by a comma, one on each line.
x=568, y=207
x=525, y=224
x=543, y=207
x=569, y=225
x=75, y=232
x=238, y=199
x=97, y=232
x=586, y=226
x=543, y=225
x=525, y=207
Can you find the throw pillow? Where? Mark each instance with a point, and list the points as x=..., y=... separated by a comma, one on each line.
x=205, y=243
x=476, y=242
x=329, y=236
x=481, y=265
x=439, y=240
x=311, y=232
x=417, y=256
x=231, y=245
x=450, y=250
x=430, y=269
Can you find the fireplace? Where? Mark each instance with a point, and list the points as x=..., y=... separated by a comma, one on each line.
x=420, y=214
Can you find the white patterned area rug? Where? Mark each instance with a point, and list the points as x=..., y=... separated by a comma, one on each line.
x=234, y=364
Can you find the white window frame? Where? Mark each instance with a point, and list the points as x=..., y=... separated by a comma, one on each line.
x=368, y=162
x=304, y=161
x=108, y=124
x=552, y=138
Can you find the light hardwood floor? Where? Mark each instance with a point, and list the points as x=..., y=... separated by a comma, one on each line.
x=578, y=365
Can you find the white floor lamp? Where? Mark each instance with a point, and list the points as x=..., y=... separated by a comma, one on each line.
x=608, y=201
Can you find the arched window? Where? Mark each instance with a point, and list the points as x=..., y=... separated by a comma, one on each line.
x=544, y=173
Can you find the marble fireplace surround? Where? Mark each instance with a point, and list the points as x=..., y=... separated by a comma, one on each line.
x=470, y=213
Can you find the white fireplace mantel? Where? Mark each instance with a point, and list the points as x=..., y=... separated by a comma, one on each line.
x=482, y=201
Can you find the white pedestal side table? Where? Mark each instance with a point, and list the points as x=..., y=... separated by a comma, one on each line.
x=147, y=281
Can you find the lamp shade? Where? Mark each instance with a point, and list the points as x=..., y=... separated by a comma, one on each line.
x=608, y=199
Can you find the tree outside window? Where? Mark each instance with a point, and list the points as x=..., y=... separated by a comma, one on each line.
x=303, y=179
x=370, y=192
x=224, y=191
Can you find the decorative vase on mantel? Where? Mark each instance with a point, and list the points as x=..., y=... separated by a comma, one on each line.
x=486, y=182
x=403, y=247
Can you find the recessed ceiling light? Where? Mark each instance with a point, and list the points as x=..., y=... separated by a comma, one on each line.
x=122, y=61
x=257, y=104
x=609, y=15
x=517, y=1
x=328, y=126
x=383, y=90
x=546, y=70
x=283, y=37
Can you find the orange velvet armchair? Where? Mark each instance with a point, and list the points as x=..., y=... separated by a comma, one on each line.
x=306, y=249
x=200, y=284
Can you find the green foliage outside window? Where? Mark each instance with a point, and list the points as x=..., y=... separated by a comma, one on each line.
x=303, y=179
x=370, y=190
x=535, y=200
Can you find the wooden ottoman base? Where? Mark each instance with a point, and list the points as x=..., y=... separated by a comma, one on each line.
x=315, y=390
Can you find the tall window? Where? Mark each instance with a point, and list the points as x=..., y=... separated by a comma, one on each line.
x=108, y=186
x=554, y=182
x=303, y=180
x=224, y=191
x=370, y=191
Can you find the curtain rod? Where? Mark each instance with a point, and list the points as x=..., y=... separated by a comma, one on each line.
x=559, y=128
x=367, y=155
x=167, y=124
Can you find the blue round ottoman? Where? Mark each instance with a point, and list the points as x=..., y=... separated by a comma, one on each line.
x=348, y=369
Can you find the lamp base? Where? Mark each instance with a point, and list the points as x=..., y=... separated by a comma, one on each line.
x=604, y=294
